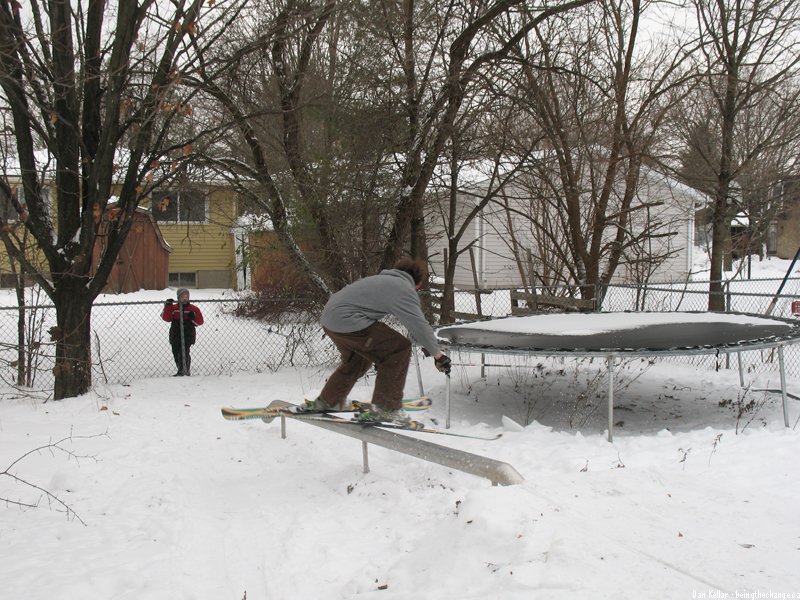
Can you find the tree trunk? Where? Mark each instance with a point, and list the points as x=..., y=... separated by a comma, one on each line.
x=21, y=343
x=448, y=294
x=73, y=369
x=722, y=206
x=716, y=300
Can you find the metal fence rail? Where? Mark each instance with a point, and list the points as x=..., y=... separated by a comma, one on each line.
x=130, y=341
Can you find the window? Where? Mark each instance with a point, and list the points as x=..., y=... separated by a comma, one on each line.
x=7, y=211
x=772, y=238
x=185, y=206
x=179, y=280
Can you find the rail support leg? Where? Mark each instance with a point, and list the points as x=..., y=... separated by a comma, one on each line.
x=365, y=456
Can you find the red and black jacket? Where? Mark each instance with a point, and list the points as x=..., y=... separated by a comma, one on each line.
x=191, y=317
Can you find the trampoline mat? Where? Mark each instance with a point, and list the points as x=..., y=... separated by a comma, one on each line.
x=647, y=331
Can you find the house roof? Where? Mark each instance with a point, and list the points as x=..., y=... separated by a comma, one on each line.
x=45, y=165
x=476, y=176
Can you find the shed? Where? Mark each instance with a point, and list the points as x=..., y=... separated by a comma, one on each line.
x=143, y=261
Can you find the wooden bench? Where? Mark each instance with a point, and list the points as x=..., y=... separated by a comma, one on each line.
x=536, y=303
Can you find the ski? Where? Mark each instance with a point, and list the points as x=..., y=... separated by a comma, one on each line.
x=240, y=414
x=243, y=414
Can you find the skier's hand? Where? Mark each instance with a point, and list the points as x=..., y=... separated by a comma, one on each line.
x=189, y=314
x=169, y=302
x=443, y=364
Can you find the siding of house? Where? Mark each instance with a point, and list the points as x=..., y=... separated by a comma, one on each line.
x=205, y=249
x=32, y=252
x=34, y=256
x=494, y=254
x=437, y=239
x=788, y=238
x=497, y=232
x=676, y=216
x=492, y=260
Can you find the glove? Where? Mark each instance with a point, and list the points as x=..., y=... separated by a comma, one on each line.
x=189, y=314
x=169, y=302
x=443, y=364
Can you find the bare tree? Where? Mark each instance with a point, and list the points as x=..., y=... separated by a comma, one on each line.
x=749, y=49
x=342, y=113
x=297, y=151
x=93, y=90
x=436, y=79
x=600, y=101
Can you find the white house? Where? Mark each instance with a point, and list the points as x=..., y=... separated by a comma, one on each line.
x=515, y=235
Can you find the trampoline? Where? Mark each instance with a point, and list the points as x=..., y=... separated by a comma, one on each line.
x=625, y=334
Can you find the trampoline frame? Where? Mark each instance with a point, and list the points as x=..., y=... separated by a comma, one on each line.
x=611, y=355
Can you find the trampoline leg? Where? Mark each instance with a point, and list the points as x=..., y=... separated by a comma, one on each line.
x=447, y=402
x=741, y=371
x=783, y=386
x=610, y=367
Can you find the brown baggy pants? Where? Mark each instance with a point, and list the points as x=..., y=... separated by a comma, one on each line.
x=378, y=344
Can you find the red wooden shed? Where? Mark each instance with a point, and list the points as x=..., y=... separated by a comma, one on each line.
x=143, y=261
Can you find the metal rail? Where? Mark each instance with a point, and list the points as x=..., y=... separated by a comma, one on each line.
x=495, y=471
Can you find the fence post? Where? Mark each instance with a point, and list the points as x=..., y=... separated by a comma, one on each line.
x=728, y=301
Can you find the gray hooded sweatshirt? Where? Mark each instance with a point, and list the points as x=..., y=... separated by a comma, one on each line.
x=363, y=302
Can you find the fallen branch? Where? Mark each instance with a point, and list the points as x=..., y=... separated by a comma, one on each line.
x=53, y=500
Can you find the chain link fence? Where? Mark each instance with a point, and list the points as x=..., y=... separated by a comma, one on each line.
x=130, y=340
x=754, y=296
x=741, y=295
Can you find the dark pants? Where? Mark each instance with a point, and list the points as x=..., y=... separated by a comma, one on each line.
x=380, y=345
x=189, y=336
x=177, y=355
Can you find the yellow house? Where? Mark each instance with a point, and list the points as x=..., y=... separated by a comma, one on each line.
x=196, y=220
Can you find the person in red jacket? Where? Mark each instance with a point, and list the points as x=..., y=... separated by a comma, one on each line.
x=182, y=330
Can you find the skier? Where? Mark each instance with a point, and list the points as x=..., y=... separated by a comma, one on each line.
x=183, y=318
x=352, y=320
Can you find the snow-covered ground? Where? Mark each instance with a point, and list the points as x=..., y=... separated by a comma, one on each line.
x=695, y=498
